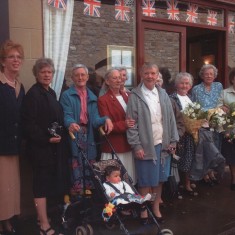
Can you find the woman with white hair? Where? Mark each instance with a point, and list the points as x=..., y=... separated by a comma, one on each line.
x=113, y=104
x=153, y=137
x=185, y=147
x=207, y=94
x=81, y=117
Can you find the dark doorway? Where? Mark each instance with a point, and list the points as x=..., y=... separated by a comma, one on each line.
x=204, y=47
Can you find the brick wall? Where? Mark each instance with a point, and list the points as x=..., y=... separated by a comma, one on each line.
x=91, y=35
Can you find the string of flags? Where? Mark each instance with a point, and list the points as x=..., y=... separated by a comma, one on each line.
x=123, y=9
x=60, y=4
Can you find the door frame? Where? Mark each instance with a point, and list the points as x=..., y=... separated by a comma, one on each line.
x=161, y=27
x=143, y=22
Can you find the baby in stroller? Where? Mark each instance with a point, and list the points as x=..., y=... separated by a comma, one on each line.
x=118, y=191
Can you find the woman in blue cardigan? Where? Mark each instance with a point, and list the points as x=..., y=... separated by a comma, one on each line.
x=81, y=117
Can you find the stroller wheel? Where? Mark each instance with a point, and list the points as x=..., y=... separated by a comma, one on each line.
x=166, y=231
x=110, y=226
x=89, y=229
x=80, y=230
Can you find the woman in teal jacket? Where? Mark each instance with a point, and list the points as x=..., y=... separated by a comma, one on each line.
x=81, y=117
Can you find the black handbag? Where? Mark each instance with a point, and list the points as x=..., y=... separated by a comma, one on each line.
x=170, y=187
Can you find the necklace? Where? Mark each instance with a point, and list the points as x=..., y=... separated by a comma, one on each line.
x=12, y=84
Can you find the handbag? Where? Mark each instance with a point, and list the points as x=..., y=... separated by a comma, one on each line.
x=170, y=187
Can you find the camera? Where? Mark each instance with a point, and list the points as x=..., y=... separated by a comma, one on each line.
x=55, y=130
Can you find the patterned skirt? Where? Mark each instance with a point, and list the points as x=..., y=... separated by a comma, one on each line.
x=80, y=170
x=185, y=150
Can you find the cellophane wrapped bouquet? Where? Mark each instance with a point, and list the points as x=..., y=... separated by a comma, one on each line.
x=194, y=117
x=230, y=129
x=218, y=119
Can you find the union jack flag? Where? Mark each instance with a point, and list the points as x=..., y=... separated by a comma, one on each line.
x=148, y=8
x=211, y=17
x=192, y=13
x=92, y=8
x=231, y=25
x=60, y=4
x=122, y=11
x=172, y=10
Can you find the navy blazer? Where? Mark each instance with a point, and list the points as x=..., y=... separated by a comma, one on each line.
x=10, y=121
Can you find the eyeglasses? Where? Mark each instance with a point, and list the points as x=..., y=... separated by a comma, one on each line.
x=14, y=57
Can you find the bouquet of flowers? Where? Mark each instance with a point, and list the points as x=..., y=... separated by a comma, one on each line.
x=230, y=130
x=217, y=119
x=194, y=117
x=229, y=135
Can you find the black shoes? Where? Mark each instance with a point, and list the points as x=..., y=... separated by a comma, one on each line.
x=208, y=182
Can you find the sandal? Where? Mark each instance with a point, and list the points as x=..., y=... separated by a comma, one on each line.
x=45, y=232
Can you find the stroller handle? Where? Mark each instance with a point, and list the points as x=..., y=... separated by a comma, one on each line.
x=101, y=130
x=72, y=136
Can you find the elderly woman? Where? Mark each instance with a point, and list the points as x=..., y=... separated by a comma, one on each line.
x=113, y=104
x=185, y=147
x=45, y=148
x=207, y=94
x=123, y=74
x=11, y=96
x=228, y=149
x=124, y=77
x=81, y=117
x=153, y=137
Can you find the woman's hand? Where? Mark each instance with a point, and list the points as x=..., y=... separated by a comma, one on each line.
x=171, y=149
x=74, y=127
x=130, y=122
x=112, y=195
x=225, y=108
x=108, y=126
x=55, y=140
x=139, y=154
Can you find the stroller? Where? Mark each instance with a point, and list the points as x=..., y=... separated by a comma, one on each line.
x=111, y=214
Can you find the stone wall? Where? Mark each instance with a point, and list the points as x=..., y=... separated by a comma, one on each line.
x=163, y=49
x=91, y=35
x=231, y=50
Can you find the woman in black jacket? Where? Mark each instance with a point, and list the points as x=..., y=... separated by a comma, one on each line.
x=11, y=97
x=43, y=126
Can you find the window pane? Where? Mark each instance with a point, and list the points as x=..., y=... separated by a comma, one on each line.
x=127, y=58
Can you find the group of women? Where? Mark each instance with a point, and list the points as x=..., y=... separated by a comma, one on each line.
x=141, y=128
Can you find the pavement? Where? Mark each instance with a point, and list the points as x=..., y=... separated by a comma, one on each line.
x=212, y=212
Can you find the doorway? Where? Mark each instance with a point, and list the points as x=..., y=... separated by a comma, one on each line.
x=183, y=48
x=204, y=47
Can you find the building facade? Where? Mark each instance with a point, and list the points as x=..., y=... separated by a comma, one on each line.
x=178, y=35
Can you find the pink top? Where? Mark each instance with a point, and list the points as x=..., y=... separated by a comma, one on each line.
x=83, y=97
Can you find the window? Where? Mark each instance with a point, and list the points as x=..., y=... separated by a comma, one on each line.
x=122, y=56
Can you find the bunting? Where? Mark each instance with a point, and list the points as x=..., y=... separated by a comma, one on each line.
x=148, y=8
x=192, y=14
x=172, y=10
x=212, y=17
x=60, y=4
x=122, y=11
x=92, y=8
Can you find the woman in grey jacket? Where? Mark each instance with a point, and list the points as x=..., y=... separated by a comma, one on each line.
x=154, y=136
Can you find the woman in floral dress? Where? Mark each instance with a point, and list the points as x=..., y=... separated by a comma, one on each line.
x=185, y=147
